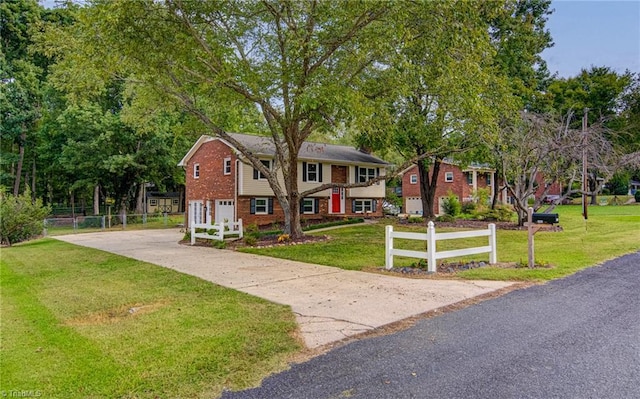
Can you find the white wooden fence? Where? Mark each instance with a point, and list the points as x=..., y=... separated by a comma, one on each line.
x=219, y=230
x=431, y=255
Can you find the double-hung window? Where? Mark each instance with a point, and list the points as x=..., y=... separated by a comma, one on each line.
x=363, y=205
x=448, y=177
x=413, y=179
x=366, y=174
x=257, y=175
x=262, y=206
x=227, y=166
x=312, y=172
x=308, y=205
x=196, y=171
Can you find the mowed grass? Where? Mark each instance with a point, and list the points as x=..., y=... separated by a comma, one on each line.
x=609, y=232
x=81, y=323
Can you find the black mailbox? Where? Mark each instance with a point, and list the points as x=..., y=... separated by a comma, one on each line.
x=548, y=218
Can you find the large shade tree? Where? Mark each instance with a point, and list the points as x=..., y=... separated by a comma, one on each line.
x=297, y=62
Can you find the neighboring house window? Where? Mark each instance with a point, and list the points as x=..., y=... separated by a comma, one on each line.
x=363, y=205
x=312, y=172
x=310, y=205
x=196, y=170
x=257, y=175
x=448, y=177
x=227, y=166
x=469, y=178
x=153, y=202
x=413, y=179
x=261, y=206
x=175, y=202
x=488, y=179
x=365, y=174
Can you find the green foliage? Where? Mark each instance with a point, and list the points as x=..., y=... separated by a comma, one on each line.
x=451, y=205
x=468, y=207
x=619, y=184
x=446, y=218
x=636, y=196
x=21, y=218
x=217, y=244
x=250, y=239
x=415, y=219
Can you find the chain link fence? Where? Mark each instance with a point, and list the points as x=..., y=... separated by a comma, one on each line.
x=82, y=224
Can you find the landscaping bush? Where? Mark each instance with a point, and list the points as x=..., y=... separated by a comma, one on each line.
x=451, y=205
x=637, y=196
x=445, y=218
x=20, y=217
x=468, y=207
x=415, y=219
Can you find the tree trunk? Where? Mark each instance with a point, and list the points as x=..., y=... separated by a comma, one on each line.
x=73, y=205
x=428, y=185
x=16, y=184
x=593, y=187
x=140, y=200
x=96, y=200
x=33, y=180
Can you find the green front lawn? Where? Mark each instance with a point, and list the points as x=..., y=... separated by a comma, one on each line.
x=611, y=231
x=81, y=323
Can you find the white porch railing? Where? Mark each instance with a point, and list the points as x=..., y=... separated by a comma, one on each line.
x=219, y=230
x=431, y=254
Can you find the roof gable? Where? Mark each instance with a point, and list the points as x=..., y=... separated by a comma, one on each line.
x=309, y=151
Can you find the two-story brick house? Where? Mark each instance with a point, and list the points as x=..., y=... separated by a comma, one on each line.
x=452, y=178
x=221, y=185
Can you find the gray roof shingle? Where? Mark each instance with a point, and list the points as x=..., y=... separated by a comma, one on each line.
x=309, y=151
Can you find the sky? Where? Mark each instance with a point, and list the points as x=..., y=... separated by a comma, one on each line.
x=593, y=33
x=586, y=33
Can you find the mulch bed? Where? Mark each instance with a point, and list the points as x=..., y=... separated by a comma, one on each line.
x=482, y=224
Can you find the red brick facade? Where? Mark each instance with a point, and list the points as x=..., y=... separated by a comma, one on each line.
x=450, y=179
x=213, y=184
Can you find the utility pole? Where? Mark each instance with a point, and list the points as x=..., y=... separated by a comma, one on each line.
x=585, y=177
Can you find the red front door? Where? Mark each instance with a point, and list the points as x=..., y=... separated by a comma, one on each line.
x=336, y=200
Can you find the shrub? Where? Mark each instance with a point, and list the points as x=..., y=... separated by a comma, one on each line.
x=445, y=218
x=219, y=244
x=468, y=207
x=637, y=196
x=415, y=219
x=451, y=205
x=20, y=217
x=250, y=240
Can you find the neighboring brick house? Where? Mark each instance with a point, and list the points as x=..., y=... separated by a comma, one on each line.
x=219, y=185
x=461, y=182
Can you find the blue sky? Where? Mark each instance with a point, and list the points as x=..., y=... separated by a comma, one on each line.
x=598, y=33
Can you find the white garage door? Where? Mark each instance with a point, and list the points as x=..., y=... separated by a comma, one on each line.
x=413, y=206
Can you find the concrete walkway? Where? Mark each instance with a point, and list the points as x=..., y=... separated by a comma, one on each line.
x=330, y=303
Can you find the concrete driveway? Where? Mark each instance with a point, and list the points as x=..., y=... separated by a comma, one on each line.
x=329, y=303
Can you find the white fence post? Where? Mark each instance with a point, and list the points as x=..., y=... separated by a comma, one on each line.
x=431, y=247
x=388, y=245
x=493, y=256
x=240, y=228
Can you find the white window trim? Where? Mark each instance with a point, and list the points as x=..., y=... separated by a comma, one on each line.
x=227, y=165
x=370, y=173
x=413, y=179
x=448, y=177
x=266, y=206
x=196, y=171
x=317, y=172
x=362, y=202
x=260, y=175
x=313, y=206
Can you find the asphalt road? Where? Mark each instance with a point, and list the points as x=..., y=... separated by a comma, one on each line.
x=578, y=337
